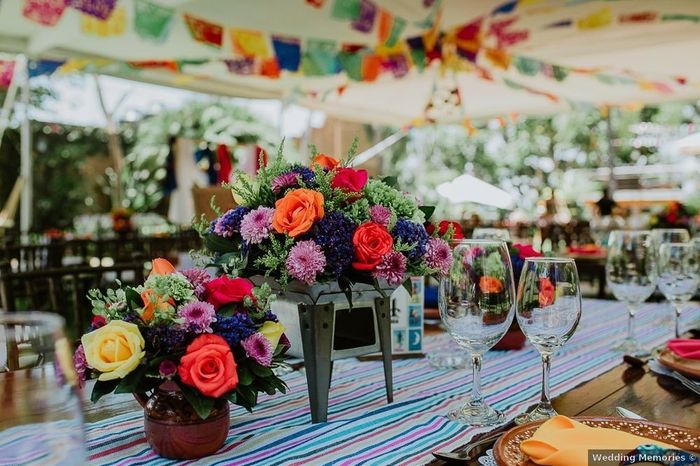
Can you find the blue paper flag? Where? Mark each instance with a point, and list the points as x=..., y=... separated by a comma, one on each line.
x=41, y=67
x=507, y=7
x=288, y=52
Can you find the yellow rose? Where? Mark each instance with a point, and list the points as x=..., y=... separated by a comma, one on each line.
x=272, y=331
x=115, y=349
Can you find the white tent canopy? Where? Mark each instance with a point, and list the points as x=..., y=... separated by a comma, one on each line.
x=643, y=51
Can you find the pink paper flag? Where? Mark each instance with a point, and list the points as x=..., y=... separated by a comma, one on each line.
x=46, y=12
x=365, y=21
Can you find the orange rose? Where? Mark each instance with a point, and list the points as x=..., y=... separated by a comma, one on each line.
x=546, y=294
x=153, y=303
x=208, y=366
x=296, y=212
x=162, y=267
x=489, y=284
x=325, y=161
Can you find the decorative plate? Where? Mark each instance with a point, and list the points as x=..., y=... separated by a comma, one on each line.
x=687, y=367
x=507, y=452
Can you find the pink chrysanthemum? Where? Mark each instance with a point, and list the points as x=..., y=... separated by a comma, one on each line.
x=438, y=255
x=305, y=260
x=392, y=268
x=380, y=214
x=198, y=316
x=257, y=224
x=81, y=366
x=197, y=278
x=258, y=348
x=283, y=181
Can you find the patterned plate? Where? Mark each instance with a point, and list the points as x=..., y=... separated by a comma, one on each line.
x=507, y=452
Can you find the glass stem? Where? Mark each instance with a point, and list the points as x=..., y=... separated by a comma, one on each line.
x=630, y=322
x=678, y=307
x=477, y=397
x=546, y=362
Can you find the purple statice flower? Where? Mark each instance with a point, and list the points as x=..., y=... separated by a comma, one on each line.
x=230, y=222
x=257, y=225
x=438, y=255
x=167, y=369
x=234, y=329
x=81, y=366
x=392, y=268
x=258, y=348
x=333, y=233
x=380, y=214
x=305, y=260
x=197, y=278
x=166, y=338
x=198, y=316
x=412, y=234
x=284, y=181
x=307, y=175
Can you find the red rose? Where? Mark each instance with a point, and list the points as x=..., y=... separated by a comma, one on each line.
x=350, y=180
x=98, y=321
x=225, y=290
x=526, y=250
x=372, y=242
x=546, y=295
x=443, y=226
x=208, y=366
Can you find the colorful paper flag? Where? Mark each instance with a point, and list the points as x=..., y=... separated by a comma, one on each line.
x=417, y=52
x=390, y=28
x=565, y=23
x=346, y=9
x=287, y=51
x=204, y=31
x=396, y=64
x=100, y=9
x=152, y=21
x=46, y=12
x=468, y=39
x=430, y=38
x=316, y=3
x=595, y=20
x=641, y=17
x=250, y=43
x=319, y=57
x=115, y=25
x=507, y=7
x=270, y=68
x=527, y=66
x=7, y=70
x=498, y=58
x=170, y=65
x=242, y=66
x=351, y=63
x=44, y=67
x=681, y=17
x=371, y=66
x=365, y=19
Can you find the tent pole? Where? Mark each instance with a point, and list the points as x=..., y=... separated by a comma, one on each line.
x=612, y=184
x=25, y=217
x=10, y=98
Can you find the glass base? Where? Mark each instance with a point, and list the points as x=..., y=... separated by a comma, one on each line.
x=448, y=360
x=631, y=347
x=539, y=413
x=477, y=415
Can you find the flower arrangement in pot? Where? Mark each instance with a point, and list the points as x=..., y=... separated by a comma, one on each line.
x=193, y=343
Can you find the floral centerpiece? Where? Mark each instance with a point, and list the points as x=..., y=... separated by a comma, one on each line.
x=324, y=222
x=675, y=215
x=186, y=337
x=121, y=220
x=518, y=253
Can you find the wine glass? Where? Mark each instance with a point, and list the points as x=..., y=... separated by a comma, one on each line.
x=495, y=234
x=679, y=275
x=549, y=310
x=631, y=274
x=669, y=235
x=41, y=421
x=477, y=303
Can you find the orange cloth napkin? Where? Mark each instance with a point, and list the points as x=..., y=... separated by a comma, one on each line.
x=685, y=348
x=561, y=441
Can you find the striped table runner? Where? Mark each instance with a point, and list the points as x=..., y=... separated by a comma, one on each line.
x=364, y=429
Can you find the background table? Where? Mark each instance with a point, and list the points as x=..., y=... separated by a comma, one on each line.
x=364, y=429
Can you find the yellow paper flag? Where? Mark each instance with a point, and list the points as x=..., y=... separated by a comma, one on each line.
x=250, y=43
x=112, y=26
x=595, y=20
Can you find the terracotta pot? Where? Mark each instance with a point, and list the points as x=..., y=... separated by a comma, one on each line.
x=173, y=430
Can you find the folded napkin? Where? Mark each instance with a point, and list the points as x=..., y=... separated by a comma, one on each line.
x=685, y=348
x=561, y=441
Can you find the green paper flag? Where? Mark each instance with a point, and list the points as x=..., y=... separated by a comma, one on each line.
x=351, y=63
x=527, y=66
x=418, y=58
x=397, y=28
x=680, y=17
x=346, y=9
x=319, y=58
x=559, y=72
x=152, y=21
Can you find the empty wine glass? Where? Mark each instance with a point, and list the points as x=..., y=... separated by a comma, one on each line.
x=669, y=235
x=476, y=302
x=549, y=309
x=678, y=275
x=631, y=274
x=41, y=421
x=495, y=234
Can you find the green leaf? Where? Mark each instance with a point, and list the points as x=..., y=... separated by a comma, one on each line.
x=130, y=383
x=247, y=397
x=232, y=397
x=200, y=403
x=245, y=377
x=261, y=371
x=391, y=181
x=427, y=210
x=102, y=388
x=216, y=243
x=133, y=297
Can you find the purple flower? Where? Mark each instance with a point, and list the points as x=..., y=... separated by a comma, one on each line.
x=197, y=278
x=412, y=234
x=438, y=255
x=167, y=368
x=230, y=222
x=334, y=234
x=198, y=316
x=392, y=268
x=257, y=225
x=305, y=260
x=81, y=366
x=284, y=181
x=258, y=348
x=235, y=328
x=380, y=214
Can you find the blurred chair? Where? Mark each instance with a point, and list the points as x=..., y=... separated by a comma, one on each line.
x=202, y=200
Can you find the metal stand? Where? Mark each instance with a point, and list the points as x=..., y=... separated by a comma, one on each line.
x=317, y=323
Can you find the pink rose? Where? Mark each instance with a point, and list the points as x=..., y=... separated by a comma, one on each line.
x=350, y=180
